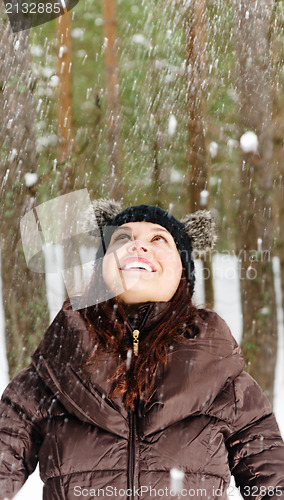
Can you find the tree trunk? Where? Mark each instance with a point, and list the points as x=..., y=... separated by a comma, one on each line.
x=113, y=100
x=24, y=292
x=255, y=238
x=64, y=105
x=67, y=179
x=278, y=134
x=196, y=73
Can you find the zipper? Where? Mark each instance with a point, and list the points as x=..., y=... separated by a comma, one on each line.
x=131, y=463
x=136, y=332
x=135, y=335
x=138, y=322
x=131, y=414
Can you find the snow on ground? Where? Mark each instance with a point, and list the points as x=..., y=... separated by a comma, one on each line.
x=227, y=297
x=279, y=371
x=55, y=290
x=4, y=377
x=227, y=292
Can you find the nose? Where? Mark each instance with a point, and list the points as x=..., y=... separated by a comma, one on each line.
x=138, y=245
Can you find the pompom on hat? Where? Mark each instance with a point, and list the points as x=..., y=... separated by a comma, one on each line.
x=193, y=233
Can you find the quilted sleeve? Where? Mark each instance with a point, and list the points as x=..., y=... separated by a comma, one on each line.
x=256, y=449
x=19, y=436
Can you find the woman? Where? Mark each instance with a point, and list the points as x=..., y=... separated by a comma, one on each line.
x=124, y=391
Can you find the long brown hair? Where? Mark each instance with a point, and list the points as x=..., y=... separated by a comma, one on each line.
x=107, y=322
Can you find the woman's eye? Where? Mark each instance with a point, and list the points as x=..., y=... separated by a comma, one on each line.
x=160, y=237
x=121, y=237
x=124, y=236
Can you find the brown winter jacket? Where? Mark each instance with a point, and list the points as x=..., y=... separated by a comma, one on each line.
x=205, y=416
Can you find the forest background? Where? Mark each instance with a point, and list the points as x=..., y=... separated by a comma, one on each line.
x=175, y=103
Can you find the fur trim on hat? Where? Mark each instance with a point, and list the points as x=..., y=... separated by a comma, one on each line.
x=200, y=227
x=103, y=211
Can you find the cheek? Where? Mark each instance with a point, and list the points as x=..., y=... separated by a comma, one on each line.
x=173, y=275
x=170, y=261
x=108, y=267
x=172, y=268
x=111, y=264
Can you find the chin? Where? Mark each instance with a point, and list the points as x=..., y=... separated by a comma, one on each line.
x=139, y=298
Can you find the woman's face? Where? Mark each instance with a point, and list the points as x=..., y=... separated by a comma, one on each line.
x=142, y=263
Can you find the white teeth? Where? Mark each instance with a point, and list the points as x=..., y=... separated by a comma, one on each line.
x=137, y=265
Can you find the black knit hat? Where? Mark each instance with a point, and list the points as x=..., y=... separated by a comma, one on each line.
x=146, y=213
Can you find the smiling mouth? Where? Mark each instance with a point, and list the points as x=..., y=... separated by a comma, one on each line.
x=137, y=266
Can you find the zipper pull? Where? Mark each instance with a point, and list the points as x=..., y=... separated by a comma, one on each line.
x=135, y=335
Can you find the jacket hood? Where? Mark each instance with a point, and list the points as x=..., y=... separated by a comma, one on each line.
x=196, y=371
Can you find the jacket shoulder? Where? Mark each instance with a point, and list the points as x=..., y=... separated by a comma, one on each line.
x=251, y=404
x=241, y=403
x=211, y=319
x=208, y=323
x=28, y=395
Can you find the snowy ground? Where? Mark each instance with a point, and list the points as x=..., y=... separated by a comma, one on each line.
x=227, y=296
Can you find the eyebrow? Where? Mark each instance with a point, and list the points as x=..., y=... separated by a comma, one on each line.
x=153, y=230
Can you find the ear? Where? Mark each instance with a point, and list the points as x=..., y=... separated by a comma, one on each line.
x=103, y=211
x=200, y=227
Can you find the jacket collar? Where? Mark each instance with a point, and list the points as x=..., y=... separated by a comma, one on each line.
x=195, y=373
